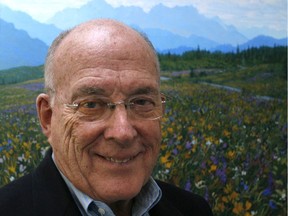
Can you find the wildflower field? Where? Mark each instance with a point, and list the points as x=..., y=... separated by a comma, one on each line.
x=228, y=147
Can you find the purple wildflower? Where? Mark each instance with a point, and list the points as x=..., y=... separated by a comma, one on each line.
x=214, y=160
x=188, y=185
x=206, y=195
x=267, y=192
x=203, y=165
x=188, y=145
x=245, y=186
x=222, y=175
x=175, y=151
x=272, y=204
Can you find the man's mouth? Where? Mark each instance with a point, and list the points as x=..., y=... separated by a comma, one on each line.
x=114, y=160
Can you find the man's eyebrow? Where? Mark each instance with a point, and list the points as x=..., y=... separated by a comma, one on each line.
x=145, y=90
x=87, y=91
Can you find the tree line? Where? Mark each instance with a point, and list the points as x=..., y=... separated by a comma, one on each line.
x=205, y=59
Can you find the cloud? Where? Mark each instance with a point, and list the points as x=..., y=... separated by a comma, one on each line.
x=241, y=13
x=271, y=14
x=42, y=9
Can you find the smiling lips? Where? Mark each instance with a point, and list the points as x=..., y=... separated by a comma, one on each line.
x=118, y=160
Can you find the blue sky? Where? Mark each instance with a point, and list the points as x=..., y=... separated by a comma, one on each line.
x=267, y=16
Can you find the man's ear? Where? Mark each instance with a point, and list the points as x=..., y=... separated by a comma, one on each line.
x=44, y=113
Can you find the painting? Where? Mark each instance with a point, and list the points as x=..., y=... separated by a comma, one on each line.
x=223, y=67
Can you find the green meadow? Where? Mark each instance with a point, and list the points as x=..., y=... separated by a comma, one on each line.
x=224, y=130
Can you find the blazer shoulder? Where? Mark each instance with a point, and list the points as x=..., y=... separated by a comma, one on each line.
x=42, y=192
x=16, y=196
x=186, y=202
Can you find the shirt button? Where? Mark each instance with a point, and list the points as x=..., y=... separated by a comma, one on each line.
x=101, y=211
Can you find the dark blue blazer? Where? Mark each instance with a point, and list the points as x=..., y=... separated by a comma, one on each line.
x=44, y=192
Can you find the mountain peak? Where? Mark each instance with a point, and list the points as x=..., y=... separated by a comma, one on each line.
x=18, y=48
x=181, y=20
x=35, y=29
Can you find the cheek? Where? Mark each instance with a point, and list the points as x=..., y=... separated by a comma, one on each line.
x=151, y=135
x=86, y=133
x=151, y=139
x=151, y=130
x=63, y=131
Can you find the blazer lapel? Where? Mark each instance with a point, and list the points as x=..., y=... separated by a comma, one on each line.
x=51, y=195
x=164, y=208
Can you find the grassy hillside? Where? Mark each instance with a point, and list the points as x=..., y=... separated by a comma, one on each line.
x=263, y=80
x=20, y=74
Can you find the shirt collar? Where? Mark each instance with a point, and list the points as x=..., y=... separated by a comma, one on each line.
x=148, y=197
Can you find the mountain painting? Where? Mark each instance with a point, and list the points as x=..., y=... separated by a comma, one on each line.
x=224, y=70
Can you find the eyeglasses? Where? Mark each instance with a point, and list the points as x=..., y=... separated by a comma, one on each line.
x=139, y=107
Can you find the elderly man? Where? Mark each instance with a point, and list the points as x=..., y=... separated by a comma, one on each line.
x=101, y=115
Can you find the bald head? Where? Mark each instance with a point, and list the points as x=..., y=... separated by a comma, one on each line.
x=90, y=43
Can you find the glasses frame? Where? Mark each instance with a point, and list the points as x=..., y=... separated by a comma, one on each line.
x=127, y=104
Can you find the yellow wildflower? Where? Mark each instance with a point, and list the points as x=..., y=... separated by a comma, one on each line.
x=38, y=146
x=25, y=145
x=179, y=138
x=165, y=160
x=248, y=205
x=220, y=207
x=27, y=154
x=164, y=133
x=234, y=195
x=163, y=146
x=12, y=169
x=226, y=133
x=228, y=189
x=170, y=130
x=213, y=168
x=238, y=208
x=231, y=154
x=209, y=126
x=225, y=199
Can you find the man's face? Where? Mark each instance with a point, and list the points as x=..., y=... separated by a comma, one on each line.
x=109, y=160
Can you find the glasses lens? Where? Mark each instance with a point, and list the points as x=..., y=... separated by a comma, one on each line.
x=149, y=108
x=95, y=108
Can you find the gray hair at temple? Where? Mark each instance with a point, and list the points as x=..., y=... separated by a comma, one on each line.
x=48, y=67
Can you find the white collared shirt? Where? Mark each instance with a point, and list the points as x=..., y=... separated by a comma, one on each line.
x=148, y=197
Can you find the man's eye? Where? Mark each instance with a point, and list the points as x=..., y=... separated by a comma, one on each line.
x=93, y=104
x=143, y=102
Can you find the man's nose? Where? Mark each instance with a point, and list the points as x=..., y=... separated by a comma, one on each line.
x=120, y=128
